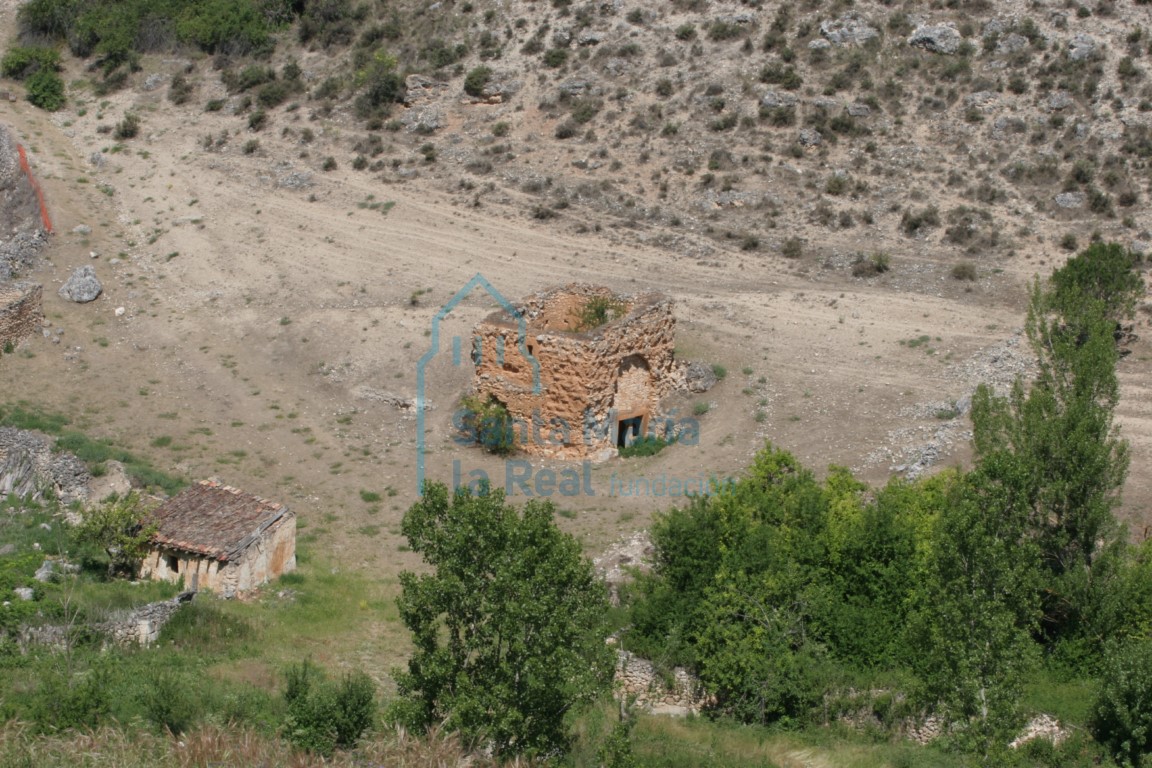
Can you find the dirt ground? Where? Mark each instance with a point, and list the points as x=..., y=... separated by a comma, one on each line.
x=267, y=330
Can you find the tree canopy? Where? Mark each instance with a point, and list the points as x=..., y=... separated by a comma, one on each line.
x=509, y=625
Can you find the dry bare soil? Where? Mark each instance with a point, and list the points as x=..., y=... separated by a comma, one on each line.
x=274, y=312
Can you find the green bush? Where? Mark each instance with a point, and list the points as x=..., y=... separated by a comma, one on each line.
x=597, y=311
x=476, y=80
x=1122, y=714
x=555, y=57
x=649, y=445
x=324, y=716
x=488, y=424
x=46, y=90
x=20, y=62
x=128, y=128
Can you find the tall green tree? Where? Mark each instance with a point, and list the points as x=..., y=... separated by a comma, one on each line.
x=977, y=605
x=509, y=625
x=1060, y=431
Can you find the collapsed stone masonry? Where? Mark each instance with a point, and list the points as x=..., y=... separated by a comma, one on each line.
x=576, y=388
x=21, y=312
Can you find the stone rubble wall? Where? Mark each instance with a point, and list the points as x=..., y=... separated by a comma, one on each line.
x=140, y=626
x=21, y=312
x=28, y=465
x=638, y=680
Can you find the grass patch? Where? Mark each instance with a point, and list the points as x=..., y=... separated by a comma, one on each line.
x=93, y=452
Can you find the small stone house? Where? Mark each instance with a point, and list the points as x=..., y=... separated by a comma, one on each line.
x=575, y=388
x=219, y=538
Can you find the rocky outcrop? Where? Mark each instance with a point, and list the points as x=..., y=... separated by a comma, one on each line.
x=849, y=29
x=940, y=38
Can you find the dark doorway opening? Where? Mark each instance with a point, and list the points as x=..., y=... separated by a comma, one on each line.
x=628, y=430
x=174, y=563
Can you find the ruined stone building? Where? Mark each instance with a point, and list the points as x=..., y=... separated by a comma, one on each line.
x=582, y=371
x=218, y=538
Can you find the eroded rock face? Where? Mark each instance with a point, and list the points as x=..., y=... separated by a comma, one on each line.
x=939, y=38
x=82, y=287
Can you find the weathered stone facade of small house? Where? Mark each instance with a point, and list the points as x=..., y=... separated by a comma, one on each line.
x=21, y=312
x=576, y=391
x=218, y=538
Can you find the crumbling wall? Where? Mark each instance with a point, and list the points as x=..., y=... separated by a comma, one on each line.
x=638, y=681
x=587, y=379
x=139, y=626
x=29, y=465
x=21, y=312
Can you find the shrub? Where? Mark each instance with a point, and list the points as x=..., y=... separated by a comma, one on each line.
x=793, y=248
x=964, y=271
x=128, y=128
x=45, y=90
x=329, y=164
x=911, y=223
x=877, y=264
x=555, y=57
x=1122, y=714
x=644, y=446
x=488, y=423
x=566, y=129
x=583, y=110
x=499, y=130
x=476, y=80
x=323, y=716
x=598, y=311
x=180, y=90
x=719, y=371
x=778, y=74
x=20, y=62
x=273, y=94
x=251, y=146
x=257, y=120
x=686, y=32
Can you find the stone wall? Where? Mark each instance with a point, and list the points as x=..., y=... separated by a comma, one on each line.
x=29, y=465
x=21, y=312
x=589, y=379
x=639, y=681
x=140, y=626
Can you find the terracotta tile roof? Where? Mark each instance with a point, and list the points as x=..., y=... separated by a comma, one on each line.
x=214, y=520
